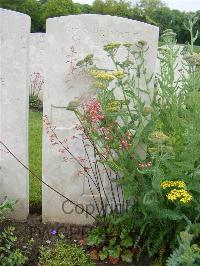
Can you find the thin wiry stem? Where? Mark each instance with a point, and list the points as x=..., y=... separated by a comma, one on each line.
x=40, y=179
x=60, y=142
x=98, y=187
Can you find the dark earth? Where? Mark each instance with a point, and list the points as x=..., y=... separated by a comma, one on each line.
x=41, y=233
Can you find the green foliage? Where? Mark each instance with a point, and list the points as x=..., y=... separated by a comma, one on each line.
x=149, y=7
x=112, y=7
x=83, y=8
x=186, y=254
x=113, y=240
x=173, y=19
x=9, y=254
x=33, y=9
x=150, y=4
x=64, y=254
x=55, y=8
x=164, y=184
x=35, y=103
x=11, y=4
x=5, y=207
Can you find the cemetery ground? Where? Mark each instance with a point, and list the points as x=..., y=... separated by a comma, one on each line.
x=33, y=228
x=48, y=234
x=115, y=138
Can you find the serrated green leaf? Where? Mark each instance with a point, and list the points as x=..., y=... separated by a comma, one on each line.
x=112, y=241
x=103, y=254
x=128, y=242
x=127, y=256
x=114, y=251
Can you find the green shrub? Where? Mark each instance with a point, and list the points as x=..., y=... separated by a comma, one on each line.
x=35, y=103
x=64, y=254
x=9, y=254
x=113, y=241
x=5, y=207
x=187, y=253
x=165, y=183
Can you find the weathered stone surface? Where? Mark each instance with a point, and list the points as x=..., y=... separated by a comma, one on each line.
x=14, y=50
x=36, y=64
x=68, y=40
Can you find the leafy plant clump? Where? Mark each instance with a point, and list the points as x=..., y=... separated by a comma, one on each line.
x=187, y=253
x=113, y=241
x=35, y=89
x=35, y=103
x=149, y=139
x=64, y=254
x=9, y=254
x=5, y=207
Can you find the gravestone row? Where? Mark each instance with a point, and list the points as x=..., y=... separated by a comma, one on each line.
x=67, y=40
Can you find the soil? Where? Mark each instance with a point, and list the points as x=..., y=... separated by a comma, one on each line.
x=41, y=233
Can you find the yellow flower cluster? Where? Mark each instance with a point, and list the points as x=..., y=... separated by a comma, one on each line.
x=168, y=183
x=99, y=85
x=127, y=44
x=179, y=194
x=102, y=75
x=106, y=76
x=119, y=74
x=111, y=46
x=152, y=149
x=113, y=106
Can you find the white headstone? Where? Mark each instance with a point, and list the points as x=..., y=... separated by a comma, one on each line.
x=14, y=51
x=36, y=63
x=68, y=40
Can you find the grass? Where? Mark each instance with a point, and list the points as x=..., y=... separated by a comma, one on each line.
x=35, y=157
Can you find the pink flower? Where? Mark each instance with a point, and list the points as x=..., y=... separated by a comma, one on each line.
x=80, y=159
x=62, y=150
x=106, y=133
x=79, y=127
x=93, y=108
x=124, y=144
